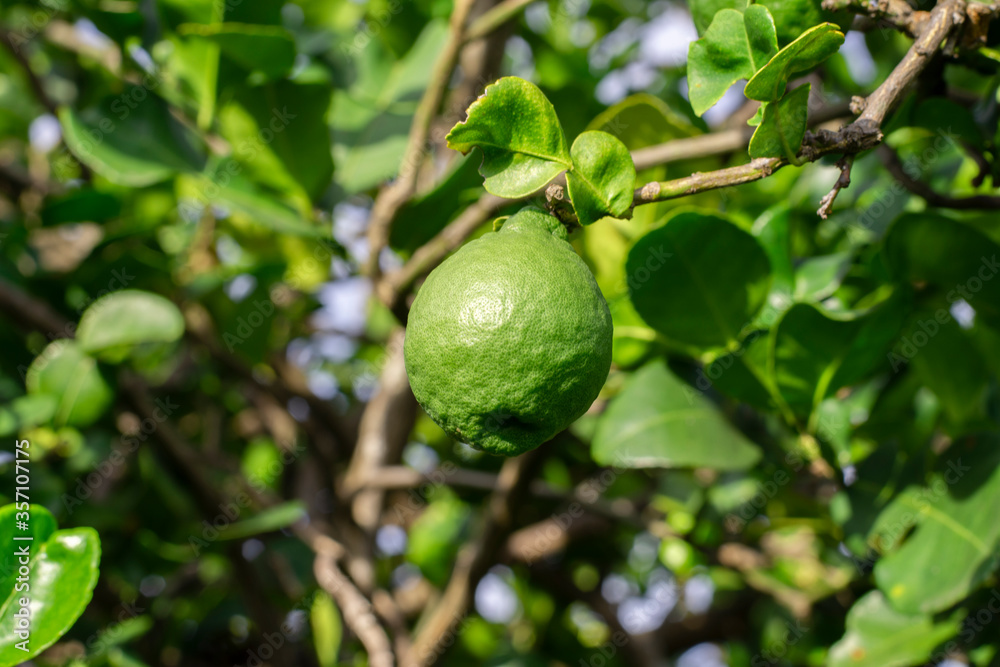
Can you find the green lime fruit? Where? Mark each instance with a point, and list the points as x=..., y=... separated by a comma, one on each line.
x=509, y=340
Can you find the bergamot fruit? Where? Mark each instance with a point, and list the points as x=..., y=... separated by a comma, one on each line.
x=509, y=340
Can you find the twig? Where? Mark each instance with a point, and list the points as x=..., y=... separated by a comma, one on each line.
x=495, y=18
x=895, y=167
x=826, y=203
x=392, y=197
x=33, y=80
x=431, y=253
x=472, y=563
x=355, y=609
x=861, y=135
x=394, y=286
x=385, y=424
x=897, y=13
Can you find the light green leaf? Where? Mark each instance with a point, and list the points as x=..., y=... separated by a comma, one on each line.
x=879, y=636
x=658, y=421
x=782, y=126
x=41, y=525
x=956, y=544
x=818, y=277
x=132, y=145
x=436, y=535
x=63, y=369
x=735, y=46
x=268, y=49
x=516, y=128
x=602, y=181
x=813, y=47
x=961, y=261
x=63, y=575
x=26, y=412
x=815, y=352
x=327, y=629
x=698, y=279
x=128, y=317
x=371, y=120
x=266, y=521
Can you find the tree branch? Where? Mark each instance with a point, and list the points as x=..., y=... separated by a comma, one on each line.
x=897, y=13
x=895, y=167
x=472, y=563
x=861, y=135
x=392, y=197
x=495, y=18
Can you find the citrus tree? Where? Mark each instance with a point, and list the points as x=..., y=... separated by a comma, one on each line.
x=496, y=332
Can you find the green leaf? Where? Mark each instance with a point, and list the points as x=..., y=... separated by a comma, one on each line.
x=63, y=369
x=879, y=636
x=698, y=279
x=960, y=260
x=280, y=134
x=424, y=216
x=41, y=525
x=126, y=318
x=63, y=573
x=602, y=181
x=434, y=537
x=81, y=205
x=134, y=143
x=813, y=47
x=266, y=521
x=948, y=364
x=267, y=49
x=371, y=120
x=782, y=126
x=516, y=128
x=327, y=629
x=658, y=421
x=27, y=412
x=815, y=352
x=819, y=277
x=734, y=47
x=956, y=544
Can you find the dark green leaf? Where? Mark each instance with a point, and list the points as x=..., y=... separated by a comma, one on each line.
x=658, y=421
x=516, y=128
x=734, y=47
x=126, y=318
x=879, y=636
x=809, y=50
x=962, y=261
x=698, y=279
x=782, y=126
x=602, y=181
x=815, y=352
x=132, y=139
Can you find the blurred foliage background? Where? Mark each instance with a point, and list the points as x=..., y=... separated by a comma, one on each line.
x=208, y=167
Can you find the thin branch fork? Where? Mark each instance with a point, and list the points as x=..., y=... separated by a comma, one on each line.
x=863, y=134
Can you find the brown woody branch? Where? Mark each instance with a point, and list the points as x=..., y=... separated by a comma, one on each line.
x=863, y=134
x=898, y=170
x=897, y=13
x=472, y=563
x=395, y=195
